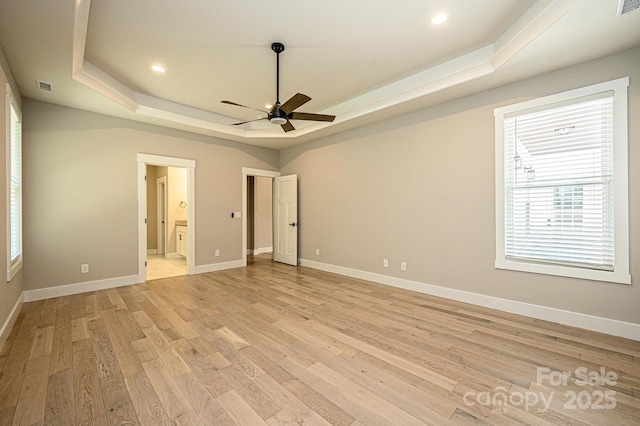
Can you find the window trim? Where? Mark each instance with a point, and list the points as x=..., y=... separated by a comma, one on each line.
x=621, y=271
x=12, y=267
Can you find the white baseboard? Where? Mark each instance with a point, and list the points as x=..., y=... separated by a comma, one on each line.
x=172, y=256
x=66, y=290
x=152, y=251
x=11, y=320
x=575, y=319
x=201, y=269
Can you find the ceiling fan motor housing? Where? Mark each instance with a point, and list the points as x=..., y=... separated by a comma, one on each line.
x=276, y=115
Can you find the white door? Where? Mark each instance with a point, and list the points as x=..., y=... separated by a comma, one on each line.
x=285, y=219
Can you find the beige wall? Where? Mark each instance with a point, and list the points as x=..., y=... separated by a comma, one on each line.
x=420, y=189
x=77, y=210
x=9, y=291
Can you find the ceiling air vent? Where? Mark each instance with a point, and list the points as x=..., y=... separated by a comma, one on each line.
x=44, y=86
x=627, y=6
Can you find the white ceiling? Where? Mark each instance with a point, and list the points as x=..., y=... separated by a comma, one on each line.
x=360, y=60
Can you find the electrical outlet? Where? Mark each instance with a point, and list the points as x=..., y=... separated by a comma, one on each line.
x=317, y=252
x=84, y=268
x=385, y=263
x=217, y=253
x=403, y=266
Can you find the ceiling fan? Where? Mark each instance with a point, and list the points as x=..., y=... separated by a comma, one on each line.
x=282, y=113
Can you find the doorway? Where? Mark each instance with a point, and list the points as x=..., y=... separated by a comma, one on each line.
x=167, y=220
x=284, y=215
x=259, y=216
x=248, y=225
x=166, y=193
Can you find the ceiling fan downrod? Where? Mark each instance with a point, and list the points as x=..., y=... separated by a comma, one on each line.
x=277, y=116
x=278, y=48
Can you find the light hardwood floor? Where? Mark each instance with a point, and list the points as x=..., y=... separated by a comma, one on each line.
x=276, y=344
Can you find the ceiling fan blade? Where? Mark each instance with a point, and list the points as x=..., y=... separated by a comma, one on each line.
x=250, y=121
x=296, y=101
x=287, y=127
x=243, y=106
x=311, y=117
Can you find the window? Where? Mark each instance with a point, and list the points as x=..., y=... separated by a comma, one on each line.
x=562, y=184
x=14, y=186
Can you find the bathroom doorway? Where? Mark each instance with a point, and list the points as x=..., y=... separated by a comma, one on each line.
x=167, y=221
x=166, y=214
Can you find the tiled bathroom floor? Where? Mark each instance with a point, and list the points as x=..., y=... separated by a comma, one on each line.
x=161, y=267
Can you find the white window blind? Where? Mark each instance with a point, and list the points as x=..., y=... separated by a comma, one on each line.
x=562, y=184
x=559, y=184
x=14, y=184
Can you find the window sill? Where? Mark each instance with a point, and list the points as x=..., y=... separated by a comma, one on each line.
x=14, y=269
x=565, y=271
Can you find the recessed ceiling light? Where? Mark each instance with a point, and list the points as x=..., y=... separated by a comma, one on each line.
x=158, y=68
x=268, y=106
x=439, y=18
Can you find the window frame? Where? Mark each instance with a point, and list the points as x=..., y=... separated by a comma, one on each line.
x=13, y=267
x=621, y=269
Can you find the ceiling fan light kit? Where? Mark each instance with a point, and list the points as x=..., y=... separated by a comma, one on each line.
x=278, y=120
x=281, y=114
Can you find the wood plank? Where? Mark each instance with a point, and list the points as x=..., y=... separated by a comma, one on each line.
x=204, y=404
x=61, y=351
x=101, y=344
x=145, y=401
x=173, y=400
x=127, y=360
x=79, y=329
x=33, y=395
x=15, y=367
x=6, y=416
x=60, y=408
x=77, y=307
x=89, y=408
x=117, y=402
x=293, y=411
x=207, y=373
x=42, y=343
x=260, y=402
x=239, y=410
x=91, y=306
